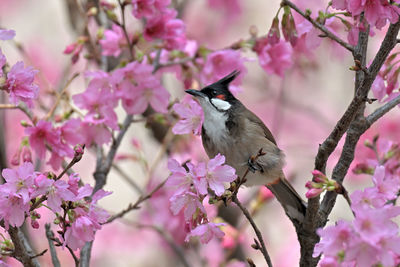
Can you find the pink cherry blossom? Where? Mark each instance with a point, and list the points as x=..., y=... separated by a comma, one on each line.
x=175, y=35
x=218, y=174
x=378, y=88
x=141, y=88
x=376, y=12
x=276, y=59
x=43, y=134
x=143, y=8
x=94, y=131
x=206, y=232
x=219, y=63
x=19, y=84
x=385, y=185
x=333, y=239
x=179, y=179
x=58, y=192
x=199, y=173
x=20, y=181
x=113, y=41
x=100, y=103
x=12, y=207
x=6, y=34
x=88, y=217
x=189, y=202
x=81, y=231
x=191, y=115
x=148, y=8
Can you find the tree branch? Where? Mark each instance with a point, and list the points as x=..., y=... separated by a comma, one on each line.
x=136, y=205
x=319, y=26
x=246, y=213
x=379, y=112
x=53, y=252
x=103, y=166
x=22, y=249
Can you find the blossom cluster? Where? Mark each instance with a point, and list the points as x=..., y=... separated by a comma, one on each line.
x=372, y=238
x=18, y=82
x=191, y=186
x=25, y=190
x=376, y=12
x=319, y=184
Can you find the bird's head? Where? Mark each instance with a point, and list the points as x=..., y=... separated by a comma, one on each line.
x=217, y=95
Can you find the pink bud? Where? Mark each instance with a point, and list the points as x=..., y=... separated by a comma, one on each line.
x=35, y=224
x=319, y=177
x=274, y=33
x=79, y=150
x=309, y=185
x=69, y=49
x=26, y=154
x=15, y=158
x=313, y=192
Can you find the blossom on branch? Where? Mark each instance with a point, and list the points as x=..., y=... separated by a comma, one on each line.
x=19, y=84
x=191, y=115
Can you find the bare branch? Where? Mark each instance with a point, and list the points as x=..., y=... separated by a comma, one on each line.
x=180, y=253
x=103, y=168
x=21, y=107
x=378, y=113
x=136, y=205
x=53, y=252
x=319, y=26
x=246, y=213
x=23, y=251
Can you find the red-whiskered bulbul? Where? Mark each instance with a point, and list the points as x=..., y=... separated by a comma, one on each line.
x=237, y=133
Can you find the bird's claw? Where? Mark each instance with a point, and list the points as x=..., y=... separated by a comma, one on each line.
x=253, y=166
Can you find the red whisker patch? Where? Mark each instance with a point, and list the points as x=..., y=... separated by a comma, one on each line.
x=222, y=97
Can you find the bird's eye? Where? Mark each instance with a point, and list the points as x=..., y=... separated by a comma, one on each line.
x=214, y=92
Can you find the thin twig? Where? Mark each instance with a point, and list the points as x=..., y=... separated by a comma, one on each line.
x=180, y=253
x=319, y=26
x=379, y=112
x=40, y=254
x=123, y=26
x=53, y=252
x=21, y=107
x=59, y=96
x=136, y=205
x=76, y=260
x=246, y=213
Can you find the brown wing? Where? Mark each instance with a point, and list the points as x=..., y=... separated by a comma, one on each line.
x=254, y=119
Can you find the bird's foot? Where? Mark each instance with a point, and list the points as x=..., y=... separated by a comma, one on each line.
x=253, y=165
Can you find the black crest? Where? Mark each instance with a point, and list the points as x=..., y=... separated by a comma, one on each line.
x=221, y=87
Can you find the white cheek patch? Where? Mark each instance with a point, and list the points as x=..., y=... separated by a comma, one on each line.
x=220, y=104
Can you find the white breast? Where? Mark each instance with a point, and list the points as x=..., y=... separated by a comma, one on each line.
x=214, y=123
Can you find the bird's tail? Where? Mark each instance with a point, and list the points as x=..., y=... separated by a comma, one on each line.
x=295, y=207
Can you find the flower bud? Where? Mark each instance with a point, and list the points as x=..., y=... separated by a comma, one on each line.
x=274, y=33
x=35, y=224
x=69, y=48
x=319, y=177
x=15, y=158
x=313, y=192
x=26, y=154
x=79, y=150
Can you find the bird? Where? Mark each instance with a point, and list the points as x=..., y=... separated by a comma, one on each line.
x=232, y=130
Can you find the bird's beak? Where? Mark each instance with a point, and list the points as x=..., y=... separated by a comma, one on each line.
x=195, y=93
